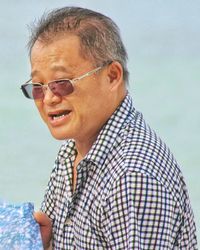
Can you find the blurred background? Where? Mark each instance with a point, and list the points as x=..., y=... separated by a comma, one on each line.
x=163, y=42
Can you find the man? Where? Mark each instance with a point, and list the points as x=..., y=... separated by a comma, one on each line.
x=115, y=184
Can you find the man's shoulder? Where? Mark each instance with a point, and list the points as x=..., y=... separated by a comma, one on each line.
x=142, y=151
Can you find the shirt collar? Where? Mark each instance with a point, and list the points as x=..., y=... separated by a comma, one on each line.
x=109, y=134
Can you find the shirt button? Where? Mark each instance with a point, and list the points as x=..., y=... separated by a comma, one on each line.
x=68, y=222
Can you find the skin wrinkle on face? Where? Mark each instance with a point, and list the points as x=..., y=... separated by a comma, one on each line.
x=54, y=68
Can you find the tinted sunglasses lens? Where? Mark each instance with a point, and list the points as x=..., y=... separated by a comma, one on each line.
x=33, y=91
x=61, y=87
x=37, y=92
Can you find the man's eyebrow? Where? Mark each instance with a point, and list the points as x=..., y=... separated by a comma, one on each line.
x=53, y=68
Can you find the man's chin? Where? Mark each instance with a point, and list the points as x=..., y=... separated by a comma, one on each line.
x=59, y=135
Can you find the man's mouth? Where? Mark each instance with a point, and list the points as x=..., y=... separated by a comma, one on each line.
x=58, y=115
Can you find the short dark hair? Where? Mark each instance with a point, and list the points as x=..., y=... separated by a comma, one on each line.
x=99, y=36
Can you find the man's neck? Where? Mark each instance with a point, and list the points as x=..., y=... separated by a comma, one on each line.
x=82, y=148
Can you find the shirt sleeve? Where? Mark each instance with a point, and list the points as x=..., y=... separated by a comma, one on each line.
x=140, y=214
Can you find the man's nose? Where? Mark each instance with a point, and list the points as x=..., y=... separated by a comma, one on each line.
x=49, y=97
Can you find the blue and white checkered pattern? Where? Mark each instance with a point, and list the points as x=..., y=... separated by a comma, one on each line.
x=130, y=192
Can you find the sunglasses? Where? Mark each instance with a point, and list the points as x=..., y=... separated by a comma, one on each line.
x=61, y=87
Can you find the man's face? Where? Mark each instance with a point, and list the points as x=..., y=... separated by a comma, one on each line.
x=81, y=114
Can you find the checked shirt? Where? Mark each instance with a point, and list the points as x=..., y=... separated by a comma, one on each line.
x=130, y=192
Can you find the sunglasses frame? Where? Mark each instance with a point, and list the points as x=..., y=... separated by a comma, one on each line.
x=46, y=86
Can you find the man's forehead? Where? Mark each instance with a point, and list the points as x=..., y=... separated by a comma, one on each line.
x=64, y=54
x=60, y=45
x=53, y=68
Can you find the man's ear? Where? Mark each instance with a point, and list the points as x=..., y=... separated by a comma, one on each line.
x=115, y=75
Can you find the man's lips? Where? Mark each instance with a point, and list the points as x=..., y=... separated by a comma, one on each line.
x=55, y=115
